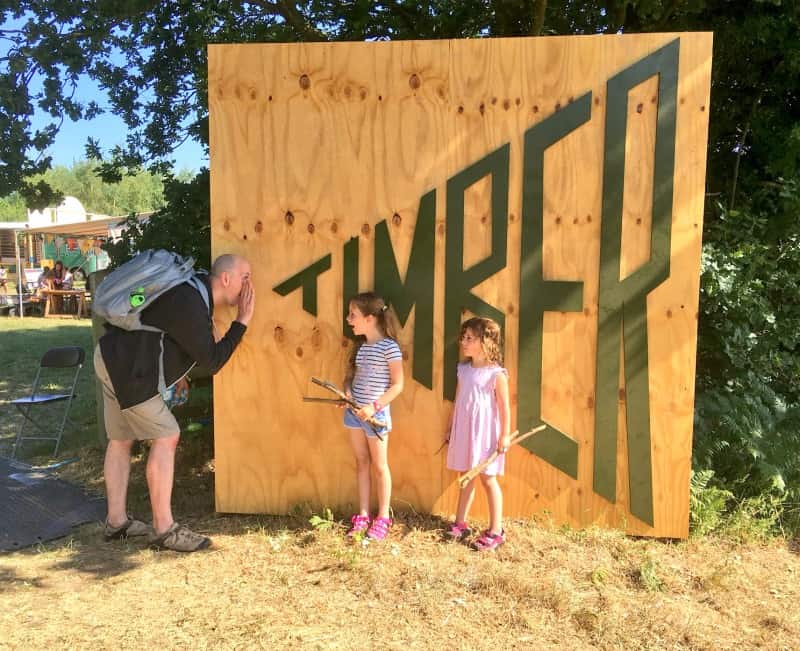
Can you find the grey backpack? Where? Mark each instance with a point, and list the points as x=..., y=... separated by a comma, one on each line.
x=122, y=295
x=129, y=289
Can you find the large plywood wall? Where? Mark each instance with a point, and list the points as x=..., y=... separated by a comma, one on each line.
x=580, y=164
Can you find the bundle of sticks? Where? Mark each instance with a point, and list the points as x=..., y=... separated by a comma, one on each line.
x=516, y=437
x=344, y=400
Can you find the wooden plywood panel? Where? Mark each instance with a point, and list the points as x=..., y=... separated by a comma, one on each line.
x=315, y=144
x=312, y=161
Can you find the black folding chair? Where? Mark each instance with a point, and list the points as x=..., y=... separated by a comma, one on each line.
x=55, y=358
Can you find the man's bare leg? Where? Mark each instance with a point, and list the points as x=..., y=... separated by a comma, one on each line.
x=160, y=474
x=116, y=471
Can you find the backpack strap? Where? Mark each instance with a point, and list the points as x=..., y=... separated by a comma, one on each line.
x=200, y=286
x=162, y=382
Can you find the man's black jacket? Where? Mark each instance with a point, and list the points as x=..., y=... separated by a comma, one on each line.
x=131, y=357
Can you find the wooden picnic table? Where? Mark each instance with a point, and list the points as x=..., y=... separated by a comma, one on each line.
x=79, y=294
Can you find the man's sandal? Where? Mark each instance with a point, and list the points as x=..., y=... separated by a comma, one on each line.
x=488, y=542
x=180, y=539
x=380, y=528
x=128, y=529
x=458, y=531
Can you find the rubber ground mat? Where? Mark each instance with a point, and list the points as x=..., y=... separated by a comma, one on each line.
x=36, y=506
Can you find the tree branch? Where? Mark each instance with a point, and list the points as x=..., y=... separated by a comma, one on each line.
x=666, y=16
x=615, y=14
x=740, y=148
x=539, y=9
x=297, y=20
x=287, y=10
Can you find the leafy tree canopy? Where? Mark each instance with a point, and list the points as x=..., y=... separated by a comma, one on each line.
x=150, y=57
x=137, y=191
x=12, y=208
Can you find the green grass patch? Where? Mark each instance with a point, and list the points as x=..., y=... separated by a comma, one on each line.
x=24, y=341
x=22, y=344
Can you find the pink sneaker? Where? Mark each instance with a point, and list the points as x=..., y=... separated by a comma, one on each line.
x=380, y=528
x=457, y=531
x=358, y=524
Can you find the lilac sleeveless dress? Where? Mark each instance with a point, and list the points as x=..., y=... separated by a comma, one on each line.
x=476, y=420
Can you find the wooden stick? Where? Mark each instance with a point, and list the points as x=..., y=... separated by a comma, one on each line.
x=330, y=386
x=354, y=406
x=516, y=437
x=332, y=401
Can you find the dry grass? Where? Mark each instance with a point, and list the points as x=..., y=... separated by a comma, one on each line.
x=279, y=581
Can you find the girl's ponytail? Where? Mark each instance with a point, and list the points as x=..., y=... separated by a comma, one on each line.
x=370, y=304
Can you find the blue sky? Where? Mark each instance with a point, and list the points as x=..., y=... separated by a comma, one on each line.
x=107, y=129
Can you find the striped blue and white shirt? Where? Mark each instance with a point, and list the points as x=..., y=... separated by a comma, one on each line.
x=372, y=377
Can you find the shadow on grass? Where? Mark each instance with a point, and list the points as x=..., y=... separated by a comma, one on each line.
x=9, y=576
x=86, y=553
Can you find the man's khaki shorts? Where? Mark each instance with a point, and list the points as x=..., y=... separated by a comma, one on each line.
x=151, y=419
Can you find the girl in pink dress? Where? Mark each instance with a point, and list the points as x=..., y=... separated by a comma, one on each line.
x=479, y=424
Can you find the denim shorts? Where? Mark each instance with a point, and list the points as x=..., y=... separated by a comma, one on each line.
x=353, y=422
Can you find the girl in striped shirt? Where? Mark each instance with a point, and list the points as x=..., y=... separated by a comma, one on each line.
x=374, y=379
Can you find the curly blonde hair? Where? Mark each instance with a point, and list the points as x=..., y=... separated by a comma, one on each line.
x=488, y=331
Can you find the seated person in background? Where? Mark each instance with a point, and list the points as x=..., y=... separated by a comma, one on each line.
x=56, y=301
x=45, y=282
x=41, y=281
x=3, y=279
x=70, y=302
x=58, y=275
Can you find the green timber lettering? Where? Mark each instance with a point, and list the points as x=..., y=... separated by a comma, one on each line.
x=622, y=302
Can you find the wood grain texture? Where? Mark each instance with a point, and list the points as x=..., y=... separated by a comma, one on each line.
x=314, y=144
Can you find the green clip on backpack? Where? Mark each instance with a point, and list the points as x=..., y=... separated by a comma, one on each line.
x=122, y=295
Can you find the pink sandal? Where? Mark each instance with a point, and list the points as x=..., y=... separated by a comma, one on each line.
x=488, y=542
x=458, y=531
x=358, y=524
x=380, y=528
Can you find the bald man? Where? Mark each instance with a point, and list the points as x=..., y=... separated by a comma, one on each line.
x=127, y=365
